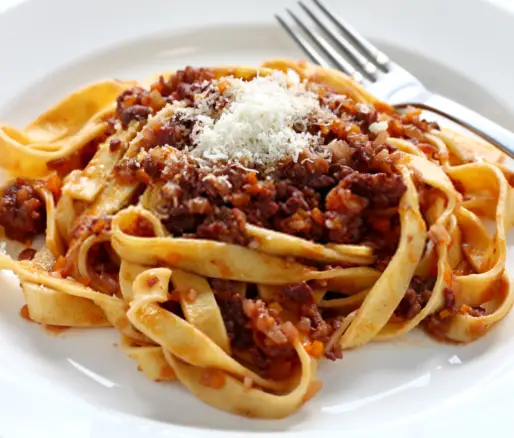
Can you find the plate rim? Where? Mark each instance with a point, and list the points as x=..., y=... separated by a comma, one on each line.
x=132, y=426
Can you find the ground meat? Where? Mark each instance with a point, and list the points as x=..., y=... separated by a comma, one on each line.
x=175, y=131
x=236, y=322
x=154, y=163
x=27, y=254
x=255, y=328
x=437, y=324
x=222, y=286
x=301, y=200
x=320, y=330
x=334, y=354
x=129, y=106
x=225, y=225
x=326, y=198
x=115, y=144
x=381, y=190
x=136, y=104
x=270, y=334
x=449, y=299
x=180, y=222
x=299, y=293
x=343, y=218
x=22, y=212
x=180, y=85
x=103, y=270
x=136, y=112
x=259, y=359
x=416, y=297
x=382, y=234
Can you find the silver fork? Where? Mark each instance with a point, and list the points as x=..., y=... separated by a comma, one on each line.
x=339, y=45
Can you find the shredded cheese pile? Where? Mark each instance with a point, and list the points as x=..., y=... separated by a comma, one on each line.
x=256, y=127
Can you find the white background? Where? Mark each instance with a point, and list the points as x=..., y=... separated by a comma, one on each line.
x=4, y=4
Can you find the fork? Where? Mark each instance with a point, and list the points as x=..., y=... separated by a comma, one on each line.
x=339, y=45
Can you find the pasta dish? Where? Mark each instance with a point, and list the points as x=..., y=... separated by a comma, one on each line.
x=237, y=225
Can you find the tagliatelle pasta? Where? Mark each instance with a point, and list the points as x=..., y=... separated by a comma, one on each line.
x=237, y=225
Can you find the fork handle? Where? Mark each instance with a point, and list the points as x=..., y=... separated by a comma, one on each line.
x=479, y=125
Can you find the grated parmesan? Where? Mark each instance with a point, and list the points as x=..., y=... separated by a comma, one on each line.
x=256, y=126
x=363, y=108
x=378, y=127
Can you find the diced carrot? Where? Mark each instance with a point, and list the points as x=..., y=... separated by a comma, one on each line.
x=448, y=276
x=60, y=263
x=464, y=310
x=317, y=215
x=252, y=178
x=53, y=184
x=445, y=313
x=213, y=378
x=315, y=349
x=276, y=306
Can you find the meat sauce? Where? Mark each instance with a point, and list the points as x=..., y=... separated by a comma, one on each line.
x=259, y=329
x=22, y=212
x=348, y=195
x=319, y=200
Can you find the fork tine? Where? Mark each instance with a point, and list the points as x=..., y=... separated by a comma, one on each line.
x=378, y=57
x=339, y=61
x=306, y=47
x=369, y=69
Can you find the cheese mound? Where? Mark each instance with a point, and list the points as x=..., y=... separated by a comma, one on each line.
x=256, y=126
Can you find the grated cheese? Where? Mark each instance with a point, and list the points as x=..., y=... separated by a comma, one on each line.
x=363, y=108
x=293, y=76
x=256, y=126
x=378, y=127
x=220, y=179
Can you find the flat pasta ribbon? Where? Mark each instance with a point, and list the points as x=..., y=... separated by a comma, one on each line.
x=243, y=327
x=61, y=130
x=381, y=301
x=195, y=358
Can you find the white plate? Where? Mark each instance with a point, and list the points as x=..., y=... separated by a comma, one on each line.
x=80, y=385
